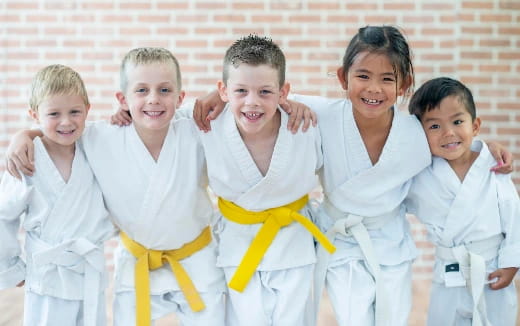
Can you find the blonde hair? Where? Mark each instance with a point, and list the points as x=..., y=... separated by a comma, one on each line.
x=148, y=55
x=56, y=80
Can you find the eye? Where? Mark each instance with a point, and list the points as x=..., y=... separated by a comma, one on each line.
x=458, y=122
x=165, y=90
x=362, y=76
x=75, y=112
x=141, y=90
x=434, y=126
x=265, y=92
x=389, y=79
x=240, y=91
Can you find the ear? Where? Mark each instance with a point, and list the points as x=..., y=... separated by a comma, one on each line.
x=222, y=91
x=122, y=101
x=181, y=98
x=476, y=126
x=87, y=108
x=284, y=91
x=34, y=115
x=342, y=78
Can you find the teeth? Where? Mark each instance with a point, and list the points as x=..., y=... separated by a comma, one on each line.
x=153, y=113
x=252, y=114
x=370, y=101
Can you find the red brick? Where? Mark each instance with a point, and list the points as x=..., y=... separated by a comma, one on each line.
x=479, y=5
x=267, y=19
x=191, y=43
x=510, y=4
x=364, y=6
x=477, y=30
x=475, y=55
x=229, y=18
x=98, y=5
x=172, y=31
x=304, y=18
x=323, y=5
x=418, y=19
x=472, y=80
x=58, y=56
x=247, y=5
x=241, y=31
x=399, y=6
x=192, y=18
x=135, y=5
x=494, y=68
x=21, y=5
x=438, y=56
x=173, y=5
x=285, y=5
x=508, y=105
x=154, y=18
x=135, y=30
x=428, y=31
x=211, y=5
x=509, y=56
x=492, y=43
x=496, y=18
x=41, y=18
x=380, y=19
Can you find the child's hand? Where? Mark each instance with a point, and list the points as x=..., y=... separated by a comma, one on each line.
x=20, y=155
x=503, y=157
x=19, y=285
x=504, y=275
x=299, y=112
x=206, y=109
x=121, y=118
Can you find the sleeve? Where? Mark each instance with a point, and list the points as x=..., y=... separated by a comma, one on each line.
x=318, y=148
x=185, y=110
x=14, y=197
x=509, y=210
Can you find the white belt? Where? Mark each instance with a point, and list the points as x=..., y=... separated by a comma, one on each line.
x=357, y=227
x=472, y=259
x=66, y=255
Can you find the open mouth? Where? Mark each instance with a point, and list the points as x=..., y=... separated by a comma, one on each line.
x=65, y=133
x=451, y=145
x=153, y=114
x=371, y=101
x=252, y=116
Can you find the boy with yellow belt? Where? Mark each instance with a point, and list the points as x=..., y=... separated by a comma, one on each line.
x=262, y=174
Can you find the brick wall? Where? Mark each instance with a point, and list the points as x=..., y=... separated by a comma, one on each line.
x=477, y=41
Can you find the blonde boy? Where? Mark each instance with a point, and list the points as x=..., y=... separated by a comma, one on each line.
x=65, y=219
x=154, y=180
x=262, y=174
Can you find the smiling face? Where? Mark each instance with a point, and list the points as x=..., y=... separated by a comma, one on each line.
x=253, y=93
x=450, y=130
x=62, y=119
x=371, y=85
x=151, y=96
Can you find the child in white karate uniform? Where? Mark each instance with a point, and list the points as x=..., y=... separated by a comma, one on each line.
x=153, y=177
x=471, y=214
x=65, y=220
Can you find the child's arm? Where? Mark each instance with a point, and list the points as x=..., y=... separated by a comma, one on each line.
x=503, y=157
x=509, y=252
x=14, y=196
x=209, y=107
x=20, y=153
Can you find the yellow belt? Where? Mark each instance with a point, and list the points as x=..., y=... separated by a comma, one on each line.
x=148, y=259
x=273, y=219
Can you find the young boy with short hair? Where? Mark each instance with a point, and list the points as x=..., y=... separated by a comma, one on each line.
x=153, y=177
x=470, y=213
x=262, y=174
x=65, y=219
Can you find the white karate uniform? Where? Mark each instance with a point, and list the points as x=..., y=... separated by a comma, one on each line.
x=161, y=205
x=279, y=290
x=66, y=224
x=469, y=213
x=373, y=194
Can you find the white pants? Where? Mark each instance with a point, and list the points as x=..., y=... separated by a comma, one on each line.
x=42, y=310
x=172, y=302
x=272, y=298
x=352, y=292
x=454, y=306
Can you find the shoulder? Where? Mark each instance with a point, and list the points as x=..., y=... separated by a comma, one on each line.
x=185, y=127
x=323, y=106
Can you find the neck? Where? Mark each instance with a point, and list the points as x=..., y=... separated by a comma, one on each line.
x=462, y=165
x=383, y=122
x=54, y=149
x=153, y=140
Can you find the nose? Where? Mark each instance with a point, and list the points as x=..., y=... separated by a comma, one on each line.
x=251, y=99
x=448, y=131
x=153, y=97
x=374, y=86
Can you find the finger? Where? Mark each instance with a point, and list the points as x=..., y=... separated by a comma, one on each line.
x=298, y=120
x=30, y=155
x=306, y=120
x=11, y=168
x=286, y=106
x=197, y=115
x=499, y=284
x=19, y=166
x=314, y=118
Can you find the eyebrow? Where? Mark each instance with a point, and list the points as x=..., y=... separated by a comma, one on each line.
x=363, y=70
x=450, y=117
